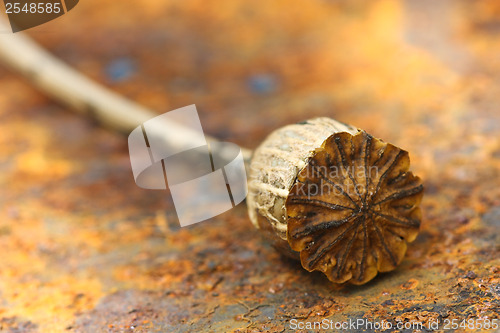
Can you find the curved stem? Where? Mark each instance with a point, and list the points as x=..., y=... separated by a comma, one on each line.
x=68, y=86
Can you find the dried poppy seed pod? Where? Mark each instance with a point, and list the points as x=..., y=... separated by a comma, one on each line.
x=330, y=194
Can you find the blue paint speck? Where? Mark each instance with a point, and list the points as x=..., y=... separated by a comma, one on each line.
x=120, y=69
x=262, y=83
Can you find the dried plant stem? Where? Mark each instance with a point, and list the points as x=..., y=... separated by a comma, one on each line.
x=68, y=86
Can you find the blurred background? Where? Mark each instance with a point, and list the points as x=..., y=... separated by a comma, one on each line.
x=85, y=250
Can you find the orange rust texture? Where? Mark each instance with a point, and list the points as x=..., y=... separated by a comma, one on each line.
x=85, y=250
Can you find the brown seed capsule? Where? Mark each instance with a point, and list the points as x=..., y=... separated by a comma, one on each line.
x=341, y=201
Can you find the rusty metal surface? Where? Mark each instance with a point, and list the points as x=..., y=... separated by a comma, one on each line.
x=85, y=250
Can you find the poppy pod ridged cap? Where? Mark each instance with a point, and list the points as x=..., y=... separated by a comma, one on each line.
x=333, y=196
